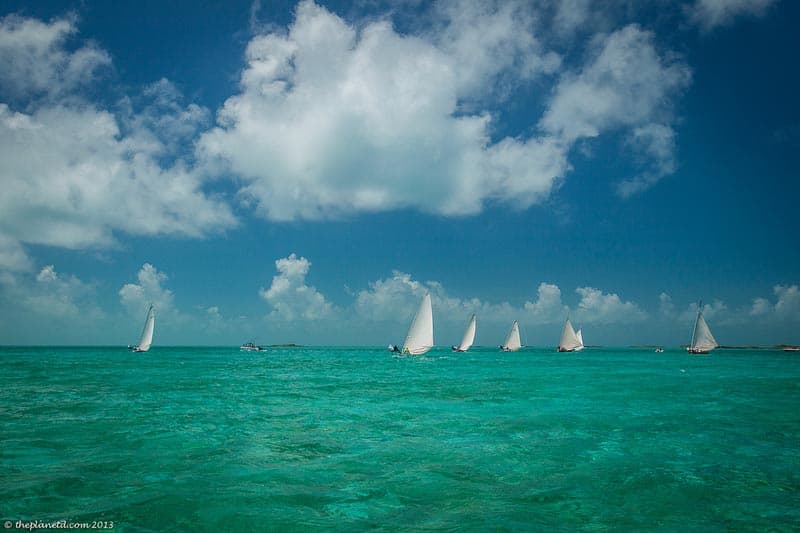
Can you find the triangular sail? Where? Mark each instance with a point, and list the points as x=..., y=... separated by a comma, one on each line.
x=147, y=332
x=569, y=339
x=512, y=343
x=469, y=335
x=580, y=340
x=702, y=339
x=420, y=335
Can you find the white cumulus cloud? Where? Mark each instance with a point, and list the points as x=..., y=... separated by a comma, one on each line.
x=548, y=307
x=35, y=63
x=290, y=297
x=137, y=297
x=716, y=310
x=334, y=119
x=488, y=39
x=397, y=298
x=760, y=307
x=625, y=84
x=391, y=298
x=73, y=173
x=788, y=304
x=598, y=307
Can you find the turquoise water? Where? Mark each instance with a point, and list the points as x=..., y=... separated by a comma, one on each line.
x=210, y=439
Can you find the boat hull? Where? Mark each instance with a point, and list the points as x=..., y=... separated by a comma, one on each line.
x=418, y=351
x=697, y=351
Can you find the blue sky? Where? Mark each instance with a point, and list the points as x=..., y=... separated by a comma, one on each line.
x=305, y=172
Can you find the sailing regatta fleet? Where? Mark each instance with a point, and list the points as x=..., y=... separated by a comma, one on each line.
x=420, y=335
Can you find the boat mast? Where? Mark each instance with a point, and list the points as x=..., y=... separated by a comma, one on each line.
x=696, y=320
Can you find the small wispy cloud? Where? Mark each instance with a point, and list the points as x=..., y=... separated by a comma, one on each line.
x=657, y=143
x=65, y=297
x=710, y=14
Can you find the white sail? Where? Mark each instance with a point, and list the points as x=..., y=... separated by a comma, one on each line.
x=469, y=335
x=147, y=332
x=569, y=339
x=420, y=335
x=512, y=343
x=702, y=339
x=580, y=340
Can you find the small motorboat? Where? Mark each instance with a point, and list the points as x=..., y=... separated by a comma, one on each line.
x=251, y=347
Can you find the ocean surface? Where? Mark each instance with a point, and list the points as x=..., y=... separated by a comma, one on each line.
x=298, y=439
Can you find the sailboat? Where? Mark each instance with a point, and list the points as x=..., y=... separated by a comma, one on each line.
x=512, y=343
x=702, y=339
x=570, y=341
x=420, y=335
x=580, y=339
x=147, y=332
x=469, y=336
